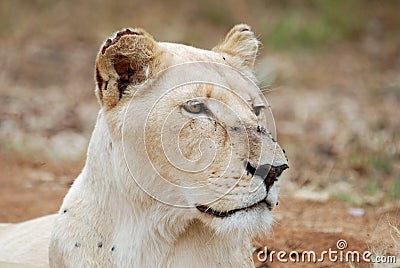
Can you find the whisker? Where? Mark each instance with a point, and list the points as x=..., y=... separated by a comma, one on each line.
x=269, y=88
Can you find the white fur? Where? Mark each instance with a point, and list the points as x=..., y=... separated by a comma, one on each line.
x=112, y=215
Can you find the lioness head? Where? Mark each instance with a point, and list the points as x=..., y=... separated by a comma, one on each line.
x=190, y=128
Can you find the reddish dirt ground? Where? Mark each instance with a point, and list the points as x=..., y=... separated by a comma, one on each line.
x=27, y=190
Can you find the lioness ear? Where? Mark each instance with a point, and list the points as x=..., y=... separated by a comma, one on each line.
x=126, y=59
x=240, y=46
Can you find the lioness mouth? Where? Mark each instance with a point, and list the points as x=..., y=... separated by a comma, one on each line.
x=223, y=214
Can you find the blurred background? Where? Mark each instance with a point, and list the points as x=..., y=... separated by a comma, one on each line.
x=331, y=71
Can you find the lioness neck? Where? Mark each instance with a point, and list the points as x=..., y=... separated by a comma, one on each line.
x=104, y=223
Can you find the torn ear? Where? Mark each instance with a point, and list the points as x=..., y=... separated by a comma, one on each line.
x=240, y=46
x=124, y=60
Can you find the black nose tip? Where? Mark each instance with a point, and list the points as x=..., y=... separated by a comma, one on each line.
x=267, y=172
x=271, y=173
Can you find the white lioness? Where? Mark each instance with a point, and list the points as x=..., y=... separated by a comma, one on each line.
x=180, y=168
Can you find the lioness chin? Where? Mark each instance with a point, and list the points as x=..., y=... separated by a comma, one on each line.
x=181, y=167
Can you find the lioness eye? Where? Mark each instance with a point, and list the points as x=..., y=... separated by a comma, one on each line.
x=257, y=110
x=193, y=107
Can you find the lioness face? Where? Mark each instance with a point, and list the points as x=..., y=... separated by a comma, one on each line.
x=193, y=128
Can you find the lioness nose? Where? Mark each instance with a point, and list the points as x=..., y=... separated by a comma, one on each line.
x=267, y=172
x=270, y=173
